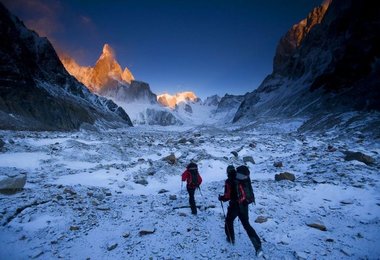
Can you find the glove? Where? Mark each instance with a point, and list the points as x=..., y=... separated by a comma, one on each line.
x=220, y=198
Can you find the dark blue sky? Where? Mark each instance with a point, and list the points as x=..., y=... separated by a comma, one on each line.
x=209, y=47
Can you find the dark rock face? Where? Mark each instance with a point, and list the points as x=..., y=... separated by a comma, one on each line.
x=137, y=91
x=332, y=66
x=36, y=92
x=161, y=117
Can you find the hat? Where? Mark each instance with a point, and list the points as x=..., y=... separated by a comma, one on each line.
x=192, y=166
x=230, y=169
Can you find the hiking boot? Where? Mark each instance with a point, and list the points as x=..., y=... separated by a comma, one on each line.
x=259, y=252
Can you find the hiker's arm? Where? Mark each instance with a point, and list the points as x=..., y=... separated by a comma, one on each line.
x=184, y=175
x=227, y=193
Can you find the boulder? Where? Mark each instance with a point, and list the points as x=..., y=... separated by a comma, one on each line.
x=247, y=159
x=261, y=219
x=171, y=159
x=285, y=176
x=358, y=156
x=12, y=180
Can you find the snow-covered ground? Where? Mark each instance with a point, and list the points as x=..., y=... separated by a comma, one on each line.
x=110, y=195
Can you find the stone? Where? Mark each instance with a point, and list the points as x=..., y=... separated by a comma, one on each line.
x=278, y=164
x=173, y=197
x=162, y=191
x=235, y=153
x=126, y=234
x=146, y=231
x=171, y=159
x=319, y=226
x=261, y=219
x=12, y=180
x=142, y=182
x=331, y=148
x=358, y=156
x=285, y=176
x=247, y=159
x=111, y=246
x=74, y=228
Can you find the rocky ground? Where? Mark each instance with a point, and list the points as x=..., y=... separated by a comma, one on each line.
x=117, y=194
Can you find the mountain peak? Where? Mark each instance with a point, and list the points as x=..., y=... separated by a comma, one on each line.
x=108, y=51
x=173, y=100
x=105, y=75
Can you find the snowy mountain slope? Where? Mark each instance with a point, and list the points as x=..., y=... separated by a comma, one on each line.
x=112, y=195
x=37, y=93
x=332, y=67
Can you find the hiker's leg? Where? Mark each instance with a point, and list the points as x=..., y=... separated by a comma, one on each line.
x=192, y=201
x=243, y=216
x=232, y=213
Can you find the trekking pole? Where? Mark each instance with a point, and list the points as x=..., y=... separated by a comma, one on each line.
x=228, y=230
x=224, y=214
x=199, y=187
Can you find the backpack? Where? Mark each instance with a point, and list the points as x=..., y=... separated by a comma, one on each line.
x=244, y=187
x=194, y=177
x=245, y=192
x=193, y=169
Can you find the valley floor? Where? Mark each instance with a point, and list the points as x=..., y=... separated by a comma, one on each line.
x=111, y=195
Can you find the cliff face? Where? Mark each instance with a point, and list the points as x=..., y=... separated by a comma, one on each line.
x=36, y=92
x=333, y=67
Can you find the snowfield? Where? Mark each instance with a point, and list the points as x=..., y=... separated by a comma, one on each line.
x=112, y=195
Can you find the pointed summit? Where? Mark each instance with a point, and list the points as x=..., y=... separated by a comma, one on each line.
x=107, y=51
x=106, y=75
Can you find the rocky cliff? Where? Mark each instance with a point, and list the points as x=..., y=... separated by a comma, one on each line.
x=37, y=93
x=327, y=63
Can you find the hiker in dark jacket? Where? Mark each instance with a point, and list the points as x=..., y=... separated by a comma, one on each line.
x=193, y=179
x=238, y=206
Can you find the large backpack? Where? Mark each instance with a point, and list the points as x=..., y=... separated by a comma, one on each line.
x=193, y=169
x=245, y=192
x=244, y=187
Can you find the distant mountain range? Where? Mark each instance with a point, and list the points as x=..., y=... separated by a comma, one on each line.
x=327, y=63
x=37, y=93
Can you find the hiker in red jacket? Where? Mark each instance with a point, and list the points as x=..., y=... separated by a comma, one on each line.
x=239, y=198
x=193, y=179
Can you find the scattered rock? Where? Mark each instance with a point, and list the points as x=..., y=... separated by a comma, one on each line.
x=11, y=180
x=171, y=159
x=162, y=191
x=235, y=153
x=103, y=208
x=111, y=246
x=347, y=202
x=331, y=148
x=74, y=228
x=142, y=182
x=329, y=240
x=69, y=191
x=146, y=231
x=317, y=226
x=285, y=176
x=182, y=141
x=358, y=156
x=247, y=159
x=173, y=197
x=252, y=145
x=261, y=219
x=278, y=164
x=126, y=234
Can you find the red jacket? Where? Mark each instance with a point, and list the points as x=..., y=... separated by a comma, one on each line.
x=186, y=176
